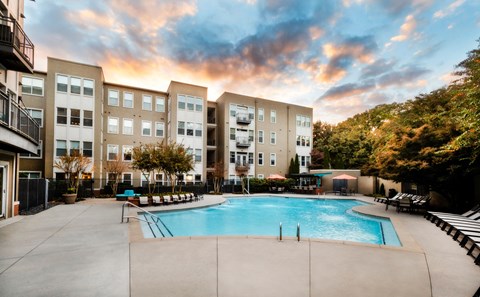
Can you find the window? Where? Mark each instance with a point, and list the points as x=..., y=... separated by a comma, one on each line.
x=38, y=155
x=37, y=115
x=299, y=140
x=75, y=85
x=273, y=159
x=127, y=178
x=198, y=155
x=61, y=115
x=146, y=128
x=61, y=148
x=198, y=130
x=30, y=174
x=62, y=83
x=198, y=104
x=232, y=133
x=75, y=117
x=88, y=87
x=160, y=104
x=233, y=110
x=273, y=116
x=198, y=178
x=260, y=159
x=127, y=152
x=260, y=176
x=190, y=103
x=250, y=136
x=113, y=97
x=261, y=114
x=250, y=158
x=189, y=128
x=260, y=136
x=159, y=178
x=128, y=126
x=232, y=157
x=299, y=120
x=273, y=138
x=112, y=152
x=128, y=99
x=74, y=147
x=181, y=102
x=112, y=125
x=147, y=102
x=251, y=113
x=302, y=161
x=87, y=118
x=32, y=86
x=87, y=149
x=159, y=128
x=307, y=122
x=307, y=141
x=181, y=128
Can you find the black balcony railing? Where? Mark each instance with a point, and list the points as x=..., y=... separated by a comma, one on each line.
x=17, y=118
x=243, y=142
x=211, y=142
x=243, y=118
x=16, y=49
x=242, y=167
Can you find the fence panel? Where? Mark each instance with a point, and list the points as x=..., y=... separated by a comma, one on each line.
x=31, y=193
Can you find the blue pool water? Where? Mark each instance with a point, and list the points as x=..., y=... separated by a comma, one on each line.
x=318, y=218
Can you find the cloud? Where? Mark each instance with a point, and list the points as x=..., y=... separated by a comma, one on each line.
x=406, y=30
x=405, y=76
x=378, y=67
x=348, y=90
x=341, y=57
x=439, y=14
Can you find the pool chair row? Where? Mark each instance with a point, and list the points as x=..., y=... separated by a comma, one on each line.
x=464, y=228
x=169, y=199
x=406, y=202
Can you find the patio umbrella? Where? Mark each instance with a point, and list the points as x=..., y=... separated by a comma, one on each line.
x=276, y=176
x=344, y=176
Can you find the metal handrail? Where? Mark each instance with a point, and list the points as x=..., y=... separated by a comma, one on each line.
x=144, y=210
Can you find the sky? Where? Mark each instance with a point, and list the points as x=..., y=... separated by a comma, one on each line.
x=341, y=57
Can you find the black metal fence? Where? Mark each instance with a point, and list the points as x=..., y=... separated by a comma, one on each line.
x=32, y=193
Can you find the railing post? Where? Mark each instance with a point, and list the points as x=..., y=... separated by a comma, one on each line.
x=298, y=231
x=280, y=231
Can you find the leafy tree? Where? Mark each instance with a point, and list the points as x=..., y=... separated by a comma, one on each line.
x=218, y=175
x=73, y=165
x=116, y=167
x=145, y=158
x=173, y=160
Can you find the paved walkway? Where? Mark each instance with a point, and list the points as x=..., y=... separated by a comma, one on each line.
x=84, y=250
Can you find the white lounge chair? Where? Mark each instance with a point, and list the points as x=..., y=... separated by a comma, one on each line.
x=143, y=201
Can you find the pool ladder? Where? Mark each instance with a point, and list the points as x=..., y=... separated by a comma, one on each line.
x=298, y=232
x=155, y=219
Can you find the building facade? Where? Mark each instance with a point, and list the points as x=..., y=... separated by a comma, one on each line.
x=79, y=110
x=19, y=132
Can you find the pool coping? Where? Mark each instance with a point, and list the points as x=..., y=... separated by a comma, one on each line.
x=407, y=242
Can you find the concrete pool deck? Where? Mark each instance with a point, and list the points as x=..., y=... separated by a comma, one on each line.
x=84, y=250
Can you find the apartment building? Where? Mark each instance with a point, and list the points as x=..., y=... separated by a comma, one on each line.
x=78, y=110
x=19, y=132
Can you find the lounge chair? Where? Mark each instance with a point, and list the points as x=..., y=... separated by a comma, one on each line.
x=404, y=204
x=156, y=200
x=197, y=197
x=431, y=215
x=167, y=199
x=143, y=201
x=187, y=197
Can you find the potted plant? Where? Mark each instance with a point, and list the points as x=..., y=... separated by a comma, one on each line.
x=73, y=165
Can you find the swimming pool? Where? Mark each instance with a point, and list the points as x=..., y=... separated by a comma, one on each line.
x=318, y=218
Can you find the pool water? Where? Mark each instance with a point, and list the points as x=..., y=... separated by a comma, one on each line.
x=318, y=218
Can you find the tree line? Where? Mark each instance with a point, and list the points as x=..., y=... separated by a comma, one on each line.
x=431, y=140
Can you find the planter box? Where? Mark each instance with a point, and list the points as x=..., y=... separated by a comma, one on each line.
x=69, y=198
x=135, y=201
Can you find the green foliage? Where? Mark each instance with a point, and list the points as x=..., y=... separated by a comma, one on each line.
x=432, y=140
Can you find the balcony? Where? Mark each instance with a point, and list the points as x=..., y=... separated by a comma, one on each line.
x=243, y=118
x=18, y=130
x=243, y=142
x=242, y=167
x=16, y=49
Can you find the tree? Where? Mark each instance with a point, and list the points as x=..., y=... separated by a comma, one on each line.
x=218, y=175
x=145, y=159
x=173, y=160
x=116, y=168
x=73, y=165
